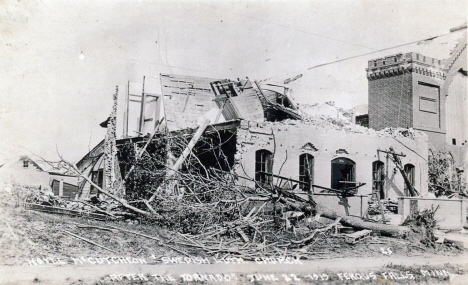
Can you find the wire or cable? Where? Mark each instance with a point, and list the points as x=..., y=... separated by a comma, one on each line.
x=355, y=56
x=291, y=28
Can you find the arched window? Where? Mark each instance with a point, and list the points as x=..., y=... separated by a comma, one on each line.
x=409, y=170
x=378, y=177
x=263, y=165
x=306, y=169
x=343, y=171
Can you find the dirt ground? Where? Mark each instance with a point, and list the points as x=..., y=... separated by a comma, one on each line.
x=42, y=248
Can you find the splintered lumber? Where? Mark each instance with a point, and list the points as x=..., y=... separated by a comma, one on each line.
x=183, y=156
x=89, y=241
x=65, y=211
x=93, y=227
x=110, y=195
x=330, y=226
x=242, y=234
x=151, y=237
x=96, y=208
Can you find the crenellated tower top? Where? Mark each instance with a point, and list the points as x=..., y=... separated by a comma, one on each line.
x=405, y=63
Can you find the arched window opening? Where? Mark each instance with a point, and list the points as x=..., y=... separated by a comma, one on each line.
x=378, y=178
x=263, y=166
x=343, y=173
x=409, y=171
x=306, y=169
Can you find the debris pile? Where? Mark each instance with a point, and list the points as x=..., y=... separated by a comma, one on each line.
x=445, y=177
x=422, y=225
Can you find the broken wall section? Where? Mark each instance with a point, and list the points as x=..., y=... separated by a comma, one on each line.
x=325, y=142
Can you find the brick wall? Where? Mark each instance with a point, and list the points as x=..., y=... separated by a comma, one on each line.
x=390, y=102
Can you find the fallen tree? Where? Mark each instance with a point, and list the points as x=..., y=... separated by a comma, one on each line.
x=306, y=206
x=361, y=224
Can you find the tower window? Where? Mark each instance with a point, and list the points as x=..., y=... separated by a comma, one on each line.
x=454, y=141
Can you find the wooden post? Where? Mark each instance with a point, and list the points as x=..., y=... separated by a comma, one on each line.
x=190, y=146
x=396, y=160
x=142, y=109
x=127, y=110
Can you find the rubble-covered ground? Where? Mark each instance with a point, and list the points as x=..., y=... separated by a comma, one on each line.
x=27, y=235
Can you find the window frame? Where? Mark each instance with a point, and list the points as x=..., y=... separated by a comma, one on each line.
x=378, y=166
x=410, y=171
x=263, y=163
x=306, y=160
x=353, y=173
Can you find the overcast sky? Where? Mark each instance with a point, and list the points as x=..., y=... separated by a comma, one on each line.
x=60, y=60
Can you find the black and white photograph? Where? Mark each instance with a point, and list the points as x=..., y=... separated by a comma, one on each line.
x=233, y=142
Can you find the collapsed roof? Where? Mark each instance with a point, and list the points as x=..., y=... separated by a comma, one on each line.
x=185, y=100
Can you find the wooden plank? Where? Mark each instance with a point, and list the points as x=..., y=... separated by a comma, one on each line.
x=64, y=211
x=89, y=241
x=142, y=109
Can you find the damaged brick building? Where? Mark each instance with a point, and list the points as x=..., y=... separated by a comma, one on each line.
x=427, y=93
x=261, y=134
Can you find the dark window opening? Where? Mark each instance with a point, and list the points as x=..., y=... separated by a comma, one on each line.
x=454, y=141
x=25, y=163
x=378, y=178
x=97, y=178
x=343, y=173
x=263, y=165
x=409, y=171
x=395, y=59
x=306, y=169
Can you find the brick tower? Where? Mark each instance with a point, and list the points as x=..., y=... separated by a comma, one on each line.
x=405, y=91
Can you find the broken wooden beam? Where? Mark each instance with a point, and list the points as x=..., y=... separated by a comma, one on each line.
x=190, y=146
x=89, y=241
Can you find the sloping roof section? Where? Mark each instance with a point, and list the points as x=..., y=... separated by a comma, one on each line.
x=442, y=47
x=27, y=158
x=91, y=157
